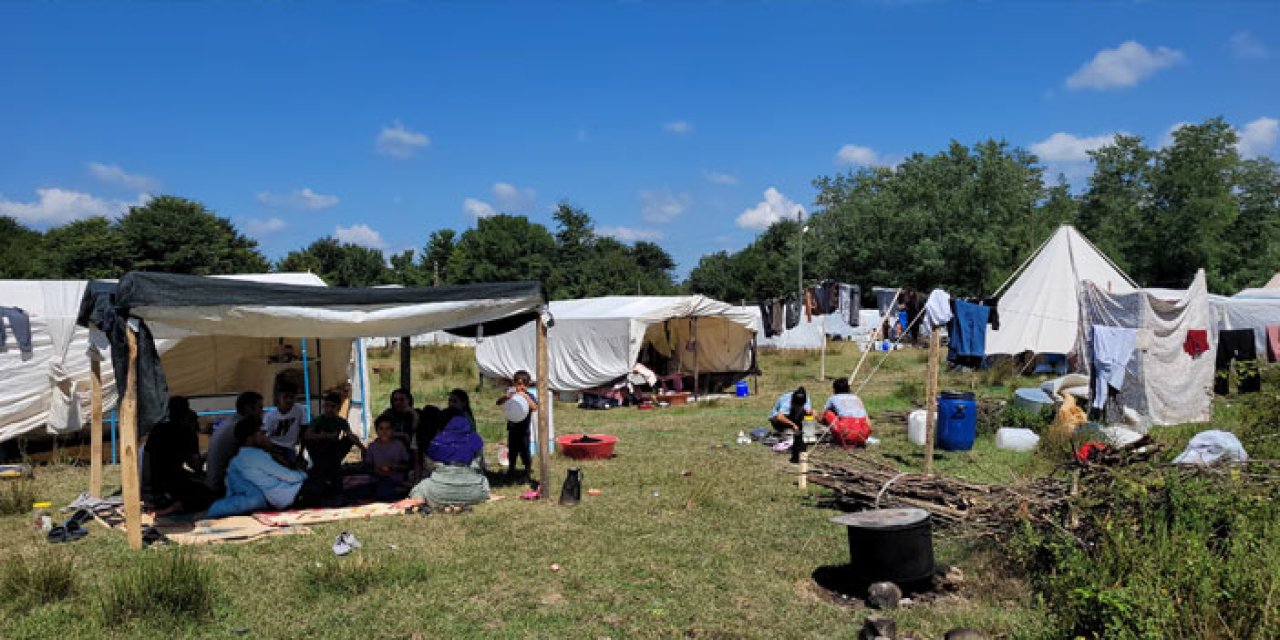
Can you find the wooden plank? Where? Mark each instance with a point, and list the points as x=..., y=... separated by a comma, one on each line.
x=129, y=479
x=95, y=437
x=695, y=357
x=406, y=364
x=931, y=399
x=544, y=404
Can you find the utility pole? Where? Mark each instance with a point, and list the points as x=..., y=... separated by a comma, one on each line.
x=800, y=226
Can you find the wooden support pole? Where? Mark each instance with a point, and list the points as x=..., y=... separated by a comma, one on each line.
x=406, y=364
x=544, y=408
x=931, y=399
x=822, y=359
x=695, y=357
x=803, y=481
x=95, y=436
x=129, y=479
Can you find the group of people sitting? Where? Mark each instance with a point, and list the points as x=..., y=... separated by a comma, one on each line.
x=275, y=460
x=844, y=414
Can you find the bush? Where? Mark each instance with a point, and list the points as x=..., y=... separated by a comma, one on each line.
x=16, y=496
x=1014, y=417
x=28, y=582
x=166, y=587
x=909, y=390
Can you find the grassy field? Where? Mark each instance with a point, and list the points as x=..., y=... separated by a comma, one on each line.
x=694, y=536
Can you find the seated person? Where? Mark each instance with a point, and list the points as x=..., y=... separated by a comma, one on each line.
x=173, y=462
x=390, y=461
x=255, y=481
x=283, y=424
x=222, y=444
x=845, y=415
x=789, y=411
x=458, y=477
x=329, y=438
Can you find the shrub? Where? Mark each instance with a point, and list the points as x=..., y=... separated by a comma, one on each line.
x=16, y=496
x=27, y=582
x=909, y=390
x=1001, y=373
x=166, y=587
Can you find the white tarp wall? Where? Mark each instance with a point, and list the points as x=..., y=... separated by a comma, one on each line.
x=1039, y=312
x=1162, y=381
x=808, y=334
x=595, y=341
x=51, y=392
x=1249, y=309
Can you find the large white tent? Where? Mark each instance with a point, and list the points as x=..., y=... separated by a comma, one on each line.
x=595, y=341
x=50, y=393
x=1040, y=311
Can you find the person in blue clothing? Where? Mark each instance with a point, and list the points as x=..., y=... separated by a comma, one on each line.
x=255, y=481
x=789, y=411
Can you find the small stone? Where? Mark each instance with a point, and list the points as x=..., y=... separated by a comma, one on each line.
x=554, y=567
x=962, y=633
x=884, y=596
x=906, y=602
x=876, y=627
x=948, y=579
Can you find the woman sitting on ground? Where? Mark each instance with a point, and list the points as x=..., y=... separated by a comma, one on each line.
x=457, y=455
x=845, y=415
x=789, y=411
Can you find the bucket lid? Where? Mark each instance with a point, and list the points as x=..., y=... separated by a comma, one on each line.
x=883, y=519
x=41, y=505
x=958, y=395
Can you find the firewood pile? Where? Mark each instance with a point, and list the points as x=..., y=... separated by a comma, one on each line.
x=865, y=483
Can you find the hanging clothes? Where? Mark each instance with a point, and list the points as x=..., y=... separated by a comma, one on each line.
x=937, y=309
x=1197, y=342
x=810, y=306
x=993, y=320
x=779, y=316
x=822, y=298
x=1273, y=342
x=766, y=318
x=850, y=305
x=1112, y=349
x=968, y=332
x=1237, y=350
x=794, y=311
x=884, y=298
x=20, y=325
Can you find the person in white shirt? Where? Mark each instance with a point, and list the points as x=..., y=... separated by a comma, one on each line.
x=283, y=425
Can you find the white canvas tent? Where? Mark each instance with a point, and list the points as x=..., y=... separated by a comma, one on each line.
x=1162, y=381
x=595, y=341
x=50, y=394
x=1040, y=312
x=1250, y=309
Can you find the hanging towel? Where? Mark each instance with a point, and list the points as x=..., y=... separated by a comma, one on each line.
x=1112, y=349
x=810, y=305
x=1273, y=342
x=793, y=310
x=20, y=325
x=779, y=316
x=766, y=318
x=850, y=304
x=937, y=309
x=968, y=331
x=1197, y=342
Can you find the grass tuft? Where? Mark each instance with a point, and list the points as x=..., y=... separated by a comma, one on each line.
x=167, y=587
x=27, y=582
x=16, y=496
x=349, y=577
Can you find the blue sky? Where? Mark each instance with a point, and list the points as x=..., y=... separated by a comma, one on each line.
x=689, y=124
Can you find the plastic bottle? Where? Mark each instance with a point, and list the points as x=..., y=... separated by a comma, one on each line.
x=42, y=517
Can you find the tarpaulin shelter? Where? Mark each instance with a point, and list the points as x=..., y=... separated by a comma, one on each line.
x=1162, y=380
x=149, y=306
x=1254, y=309
x=595, y=341
x=1039, y=311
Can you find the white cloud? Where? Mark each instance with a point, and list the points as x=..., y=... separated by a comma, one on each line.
x=264, y=227
x=1124, y=66
x=1247, y=46
x=1258, y=137
x=1066, y=147
x=859, y=156
x=360, y=234
x=398, y=142
x=630, y=234
x=773, y=208
x=678, y=127
x=512, y=198
x=478, y=208
x=303, y=198
x=113, y=174
x=57, y=206
x=662, y=205
x=717, y=177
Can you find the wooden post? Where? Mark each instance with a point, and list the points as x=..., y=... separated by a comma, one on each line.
x=695, y=357
x=95, y=437
x=803, y=481
x=129, y=479
x=931, y=399
x=544, y=404
x=822, y=360
x=406, y=365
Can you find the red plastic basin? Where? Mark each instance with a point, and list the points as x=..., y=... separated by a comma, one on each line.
x=586, y=450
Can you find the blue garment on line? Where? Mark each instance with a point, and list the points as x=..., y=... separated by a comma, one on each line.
x=1112, y=349
x=254, y=482
x=968, y=330
x=20, y=324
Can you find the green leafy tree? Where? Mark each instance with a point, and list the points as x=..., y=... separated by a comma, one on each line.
x=1115, y=207
x=502, y=248
x=176, y=235
x=340, y=265
x=1255, y=234
x=20, y=251
x=436, y=255
x=406, y=272
x=89, y=249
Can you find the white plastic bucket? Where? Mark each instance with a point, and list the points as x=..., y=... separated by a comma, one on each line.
x=1016, y=439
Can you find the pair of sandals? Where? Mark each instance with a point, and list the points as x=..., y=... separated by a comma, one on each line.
x=71, y=530
x=423, y=509
x=455, y=509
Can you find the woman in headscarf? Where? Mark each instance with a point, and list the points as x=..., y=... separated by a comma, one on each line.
x=457, y=458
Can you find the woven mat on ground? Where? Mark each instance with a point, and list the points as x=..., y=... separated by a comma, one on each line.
x=231, y=529
x=312, y=516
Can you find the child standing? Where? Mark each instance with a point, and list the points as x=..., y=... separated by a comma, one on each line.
x=518, y=432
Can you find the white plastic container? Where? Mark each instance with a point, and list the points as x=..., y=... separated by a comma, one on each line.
x=516, y=408
x=1016, y=439
x=915, y=427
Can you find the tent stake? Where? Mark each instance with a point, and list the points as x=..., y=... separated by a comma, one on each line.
x=931, y=399
x=544, y=402
x=129, y=479
x=95, y=436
